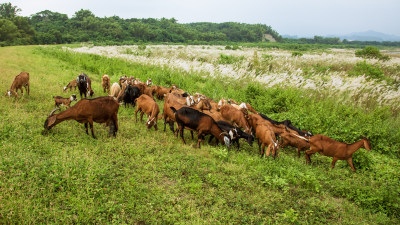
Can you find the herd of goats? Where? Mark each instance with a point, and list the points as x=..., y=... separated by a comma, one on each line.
x=227, y=121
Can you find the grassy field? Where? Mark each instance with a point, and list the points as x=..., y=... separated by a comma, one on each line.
x=147, y=176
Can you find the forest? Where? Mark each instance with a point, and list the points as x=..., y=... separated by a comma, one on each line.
x=47, y=27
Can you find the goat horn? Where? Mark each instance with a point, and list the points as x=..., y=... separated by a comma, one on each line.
x=54, y=110
x=223, y=133
x=301, y=137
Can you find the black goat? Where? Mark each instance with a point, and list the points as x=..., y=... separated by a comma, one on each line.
x=289, y=124
x=130, y=94
x=200, y=122
x=235, y=132
x=84, y=85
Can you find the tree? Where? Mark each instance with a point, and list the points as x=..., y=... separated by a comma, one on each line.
x=7, y=10
x=8, y=30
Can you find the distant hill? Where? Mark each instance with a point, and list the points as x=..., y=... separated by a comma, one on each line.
x=370, y=36
x=359, y=36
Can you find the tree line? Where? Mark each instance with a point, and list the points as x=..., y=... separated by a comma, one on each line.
x=47, y=27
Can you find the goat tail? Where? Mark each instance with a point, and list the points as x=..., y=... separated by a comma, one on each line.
x=173, y=109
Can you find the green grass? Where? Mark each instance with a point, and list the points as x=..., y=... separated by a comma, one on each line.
x=147, y=176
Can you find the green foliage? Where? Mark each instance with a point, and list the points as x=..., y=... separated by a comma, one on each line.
x=297, y=54
x=371, y=71
x=371, y=52
x=229, y=59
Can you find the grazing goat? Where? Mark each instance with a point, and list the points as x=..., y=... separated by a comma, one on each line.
x=266, y=137
x=84, y=85
x=235, y=132
x=71, y=85
x=240, y=117
x=159, y=91
x=21, y=80
x=115, y=90
x=147, y=105
x=338, y=150
x=129, y=95
x=287, y=123
x=168, y=114
x=100, y=110
x=58, y=101
x=200, y=122
x=105, y=83
x=290, y=139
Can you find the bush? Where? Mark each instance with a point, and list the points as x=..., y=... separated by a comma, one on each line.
x=369, y=70
x=297, y=54
x=371, y=52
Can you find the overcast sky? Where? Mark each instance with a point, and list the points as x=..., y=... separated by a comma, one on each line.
x=292, y=17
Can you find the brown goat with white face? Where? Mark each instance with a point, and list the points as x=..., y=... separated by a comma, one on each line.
x=21, y=80
x=105, y=83
x=100, y=110
x=71, y=85
x=335, y=149
x=58, y=100
x=147, y=105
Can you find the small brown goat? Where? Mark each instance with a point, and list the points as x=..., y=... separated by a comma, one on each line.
x=240, y=117
x=58, y=101
x=290, y=139
x=21, y=80
x=105, y=83
x=266, y=137
x=159, y=91
x=338, y=150
x=71, y=85
x=100, y=110
x=147, y=105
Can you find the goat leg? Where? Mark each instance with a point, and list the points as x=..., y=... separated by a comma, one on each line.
x=350, y=162
x=91, y=128
x=86, y=126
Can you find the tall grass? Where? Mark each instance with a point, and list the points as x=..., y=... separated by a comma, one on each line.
x=146, y=176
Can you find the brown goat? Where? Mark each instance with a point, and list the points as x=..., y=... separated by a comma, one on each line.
x=290, y=139
x=159, y=91
x=338, y=150
x=105, y=83
x=58, y=100
x=100, y=110
x=71, y=85
x=266, y=137
x=147, y=105
x=240, y=117
x=21, y=80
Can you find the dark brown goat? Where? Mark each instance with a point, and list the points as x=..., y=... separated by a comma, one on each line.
x=21, y=80
x=147, y=105
x=338, y=150
x=200, y=122
x=100, y=110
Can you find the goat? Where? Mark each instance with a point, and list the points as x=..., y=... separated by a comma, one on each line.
x=235, y=132
x=203, y=104
x=21, y=80
x=129, y=95
x=147, y=105
x=71, y=85
x=240, y=117
x=100, y=110
x=58, y=100
x=159, y=91
x=115, y=90
x=290, y=139
x=84, y=85
x=149, y=82
x=200, y=122
x=105, y=83
x=266, y=137
x=168, y=114
x=338, y=150
x=287, y=123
